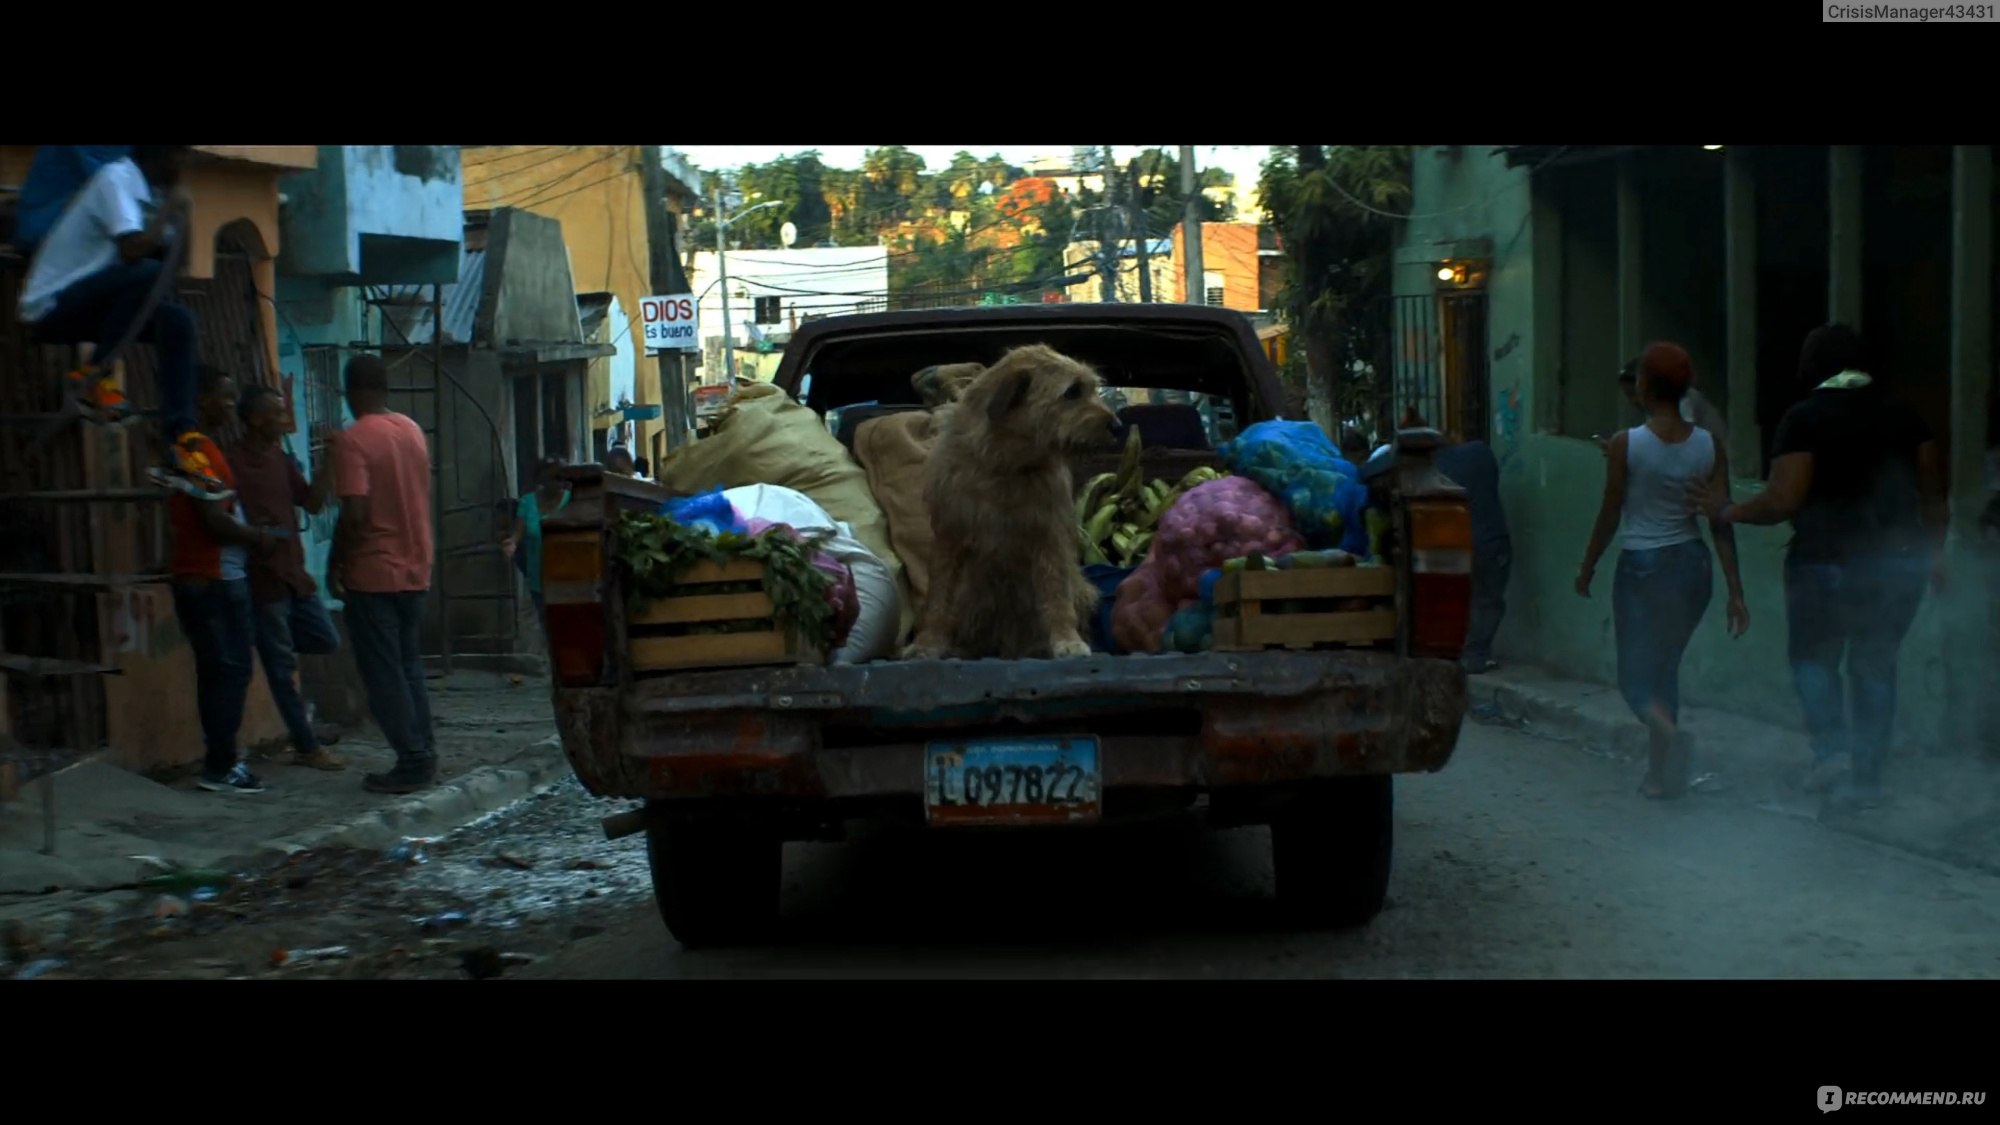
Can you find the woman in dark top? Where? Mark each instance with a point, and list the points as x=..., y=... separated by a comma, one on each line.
x=1859, y=476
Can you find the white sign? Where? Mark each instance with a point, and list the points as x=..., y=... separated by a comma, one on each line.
x=670, y=322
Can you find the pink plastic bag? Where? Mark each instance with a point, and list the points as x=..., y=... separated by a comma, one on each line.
x=846, y=602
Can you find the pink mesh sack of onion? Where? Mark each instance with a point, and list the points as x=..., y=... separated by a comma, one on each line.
x=1210, y=524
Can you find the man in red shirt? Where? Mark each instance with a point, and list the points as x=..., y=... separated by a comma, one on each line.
x=210, y=551
x=290, y=617
x=382, y=561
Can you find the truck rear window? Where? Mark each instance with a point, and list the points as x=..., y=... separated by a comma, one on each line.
x=1201, y=369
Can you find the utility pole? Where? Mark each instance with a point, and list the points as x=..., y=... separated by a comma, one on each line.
x=666, y=277
x=722, y=274
x=1107, y=239
x=1195, y=289
x=722, y=224
x=1136, y=193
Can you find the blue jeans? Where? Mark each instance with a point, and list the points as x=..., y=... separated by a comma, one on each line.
x=99, y=309
x=387, y=650
x=1492, y=562
x=1859, y=609
x=220, y=626
x=287, y=630
x=1657, y=599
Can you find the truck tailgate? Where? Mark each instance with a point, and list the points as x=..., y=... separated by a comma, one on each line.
x=840, y=731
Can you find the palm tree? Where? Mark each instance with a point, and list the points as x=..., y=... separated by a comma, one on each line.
x=1337, y=210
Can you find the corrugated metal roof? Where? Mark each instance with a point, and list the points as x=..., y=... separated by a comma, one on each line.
x=461, y=303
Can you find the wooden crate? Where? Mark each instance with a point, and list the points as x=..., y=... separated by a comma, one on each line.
x=1249, y=614
x=655, y=641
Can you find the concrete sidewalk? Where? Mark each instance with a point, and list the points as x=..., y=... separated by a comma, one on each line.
x=496, y=743
x=1943, y=807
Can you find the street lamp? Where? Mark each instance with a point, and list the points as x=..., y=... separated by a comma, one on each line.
x=722, y=276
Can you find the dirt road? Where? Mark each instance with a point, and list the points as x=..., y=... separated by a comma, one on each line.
x=1523, y=859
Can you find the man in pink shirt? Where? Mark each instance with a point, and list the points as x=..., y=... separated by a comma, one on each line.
x=381, y=562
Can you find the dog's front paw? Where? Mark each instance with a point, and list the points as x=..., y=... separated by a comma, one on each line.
x=1070, y=649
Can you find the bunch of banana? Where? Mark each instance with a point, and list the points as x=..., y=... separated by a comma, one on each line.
x=1119, y=511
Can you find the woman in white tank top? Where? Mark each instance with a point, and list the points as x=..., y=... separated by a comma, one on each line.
x=1665, y=578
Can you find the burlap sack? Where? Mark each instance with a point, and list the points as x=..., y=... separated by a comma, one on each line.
x=893, y=450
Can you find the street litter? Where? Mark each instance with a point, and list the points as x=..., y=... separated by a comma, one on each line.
x=286, y=958
x=187, y=880
x=413, y=849
x=448, y=918
x=505, y=859
x=588, y=864
x=168, y=906
x=34, y=969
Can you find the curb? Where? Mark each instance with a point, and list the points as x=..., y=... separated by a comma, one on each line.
x=444, y=809
x=452, y=805
x=1776, y=757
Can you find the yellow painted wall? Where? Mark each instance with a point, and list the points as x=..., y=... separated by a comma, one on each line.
x=596, y=192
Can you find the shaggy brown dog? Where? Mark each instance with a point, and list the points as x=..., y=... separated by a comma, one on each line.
x=1005, y=580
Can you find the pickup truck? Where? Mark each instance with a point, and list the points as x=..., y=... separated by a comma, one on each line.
x=732, y=764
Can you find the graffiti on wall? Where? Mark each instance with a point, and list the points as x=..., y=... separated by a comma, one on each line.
x=1507, y=424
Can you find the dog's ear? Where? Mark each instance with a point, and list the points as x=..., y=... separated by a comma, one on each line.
x=1010, y=393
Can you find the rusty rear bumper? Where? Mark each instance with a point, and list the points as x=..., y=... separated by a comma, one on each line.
x=858, y=731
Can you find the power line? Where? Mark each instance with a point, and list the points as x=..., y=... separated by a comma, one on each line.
x=544, y=199
x=495, y=184
x=1480, y=202
x=491, y=165
x=530, y=197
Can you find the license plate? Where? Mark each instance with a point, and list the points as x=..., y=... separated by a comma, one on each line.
x=1012, y=781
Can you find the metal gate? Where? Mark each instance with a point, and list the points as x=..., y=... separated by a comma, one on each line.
x=425, y=384
x=1438, y=369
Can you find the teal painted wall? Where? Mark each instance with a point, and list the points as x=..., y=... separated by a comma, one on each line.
x=1553, y=351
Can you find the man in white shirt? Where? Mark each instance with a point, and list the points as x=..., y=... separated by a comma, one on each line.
x=94, y=274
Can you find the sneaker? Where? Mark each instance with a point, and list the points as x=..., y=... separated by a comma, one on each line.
x=99, y=395
x=401, y=780
x=237, y=780
x=188, y=486
x=193, y=463
x=320, y=759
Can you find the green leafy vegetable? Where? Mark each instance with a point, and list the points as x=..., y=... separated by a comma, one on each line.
x=654, y=549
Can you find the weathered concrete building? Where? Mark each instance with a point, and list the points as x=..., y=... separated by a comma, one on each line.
x=1528, y=274
x=597, y=194
x=367, y=217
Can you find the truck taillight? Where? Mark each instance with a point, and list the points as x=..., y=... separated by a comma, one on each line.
x=573, y=615
x=1440, y=578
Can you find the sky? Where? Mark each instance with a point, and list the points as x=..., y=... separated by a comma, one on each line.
x=1243, y=160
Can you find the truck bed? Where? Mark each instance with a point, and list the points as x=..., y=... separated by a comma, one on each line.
x=831, y=732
